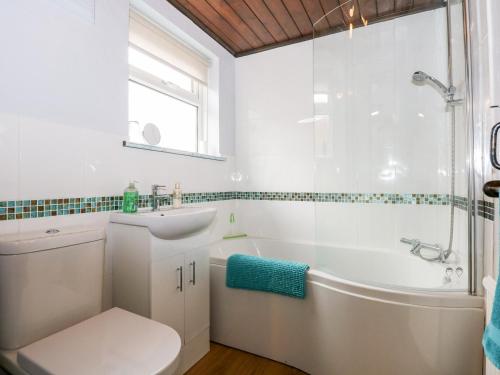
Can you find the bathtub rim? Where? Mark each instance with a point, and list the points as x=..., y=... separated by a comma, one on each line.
x=416, y=297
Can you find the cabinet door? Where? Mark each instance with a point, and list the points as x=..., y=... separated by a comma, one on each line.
x=197, y=293
x=167, y=292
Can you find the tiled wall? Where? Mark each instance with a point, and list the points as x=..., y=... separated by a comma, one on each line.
x=374, y=131
x=65, y=157
x=379, y=131
x=63, y=114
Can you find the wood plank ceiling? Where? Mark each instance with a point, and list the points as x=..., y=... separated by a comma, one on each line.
x=249, y=26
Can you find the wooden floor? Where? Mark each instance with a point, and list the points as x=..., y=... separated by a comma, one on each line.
x=223, y=360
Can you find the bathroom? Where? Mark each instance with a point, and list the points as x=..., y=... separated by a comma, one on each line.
x=162, y=160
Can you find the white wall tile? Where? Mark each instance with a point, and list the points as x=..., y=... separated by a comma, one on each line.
x=9, y=156
x=377, y=226
x=388, y=131
x=9, y=227
x=378, y=132
x=109, y=167
x=292, y=221
x=79, y=78
x=274, y=139
x=51, y=159
x=338, y=224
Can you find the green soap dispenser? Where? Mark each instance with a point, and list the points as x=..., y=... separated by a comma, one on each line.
x=130, y=198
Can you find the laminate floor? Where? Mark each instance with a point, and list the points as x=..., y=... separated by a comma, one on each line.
x=223, y=360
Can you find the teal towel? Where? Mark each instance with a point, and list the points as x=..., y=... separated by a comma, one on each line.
x=267, y=275
x=491, y=337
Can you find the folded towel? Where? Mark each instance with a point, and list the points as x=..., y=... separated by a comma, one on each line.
x=268, y=275
x=491, y=337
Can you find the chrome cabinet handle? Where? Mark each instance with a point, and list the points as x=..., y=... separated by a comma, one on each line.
x=179, y=286
x=493, y=146
x=193, y=273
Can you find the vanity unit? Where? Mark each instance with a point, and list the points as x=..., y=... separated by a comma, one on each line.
x=165, y=279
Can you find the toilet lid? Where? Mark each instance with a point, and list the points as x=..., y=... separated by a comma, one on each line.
x=114, y=342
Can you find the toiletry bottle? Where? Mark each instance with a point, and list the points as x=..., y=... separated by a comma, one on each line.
x=130, y=198
x=232, y=222
x=177, y=196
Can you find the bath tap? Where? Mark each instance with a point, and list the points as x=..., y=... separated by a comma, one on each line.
x=417, y=246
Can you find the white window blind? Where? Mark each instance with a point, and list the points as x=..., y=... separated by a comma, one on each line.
x=157, y=42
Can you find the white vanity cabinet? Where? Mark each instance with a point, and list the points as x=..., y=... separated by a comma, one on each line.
x=180, y=292
x=197, y=295
x=167, y=281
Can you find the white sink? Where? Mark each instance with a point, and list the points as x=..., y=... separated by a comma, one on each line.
x=169, y=224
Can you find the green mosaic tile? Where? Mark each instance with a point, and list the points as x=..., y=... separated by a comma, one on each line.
x=15, y=210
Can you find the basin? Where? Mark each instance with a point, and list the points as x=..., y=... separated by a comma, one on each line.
x=170, y=223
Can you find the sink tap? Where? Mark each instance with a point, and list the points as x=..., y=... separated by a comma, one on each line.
x=154, y=192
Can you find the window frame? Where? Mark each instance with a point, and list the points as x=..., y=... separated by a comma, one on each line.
x=197, y=98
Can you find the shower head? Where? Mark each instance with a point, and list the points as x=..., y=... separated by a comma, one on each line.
x=420, y=78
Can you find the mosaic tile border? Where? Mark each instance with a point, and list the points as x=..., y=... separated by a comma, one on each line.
x=379, y=198
x=461, y=203
x=483, y=208
x=486, y=209
x=29, y=209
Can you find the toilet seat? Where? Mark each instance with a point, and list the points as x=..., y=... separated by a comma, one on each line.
x=113, y=342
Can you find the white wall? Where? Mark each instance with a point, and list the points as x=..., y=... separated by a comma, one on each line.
x=63, y=107
x=58, y=66
x=379, y=133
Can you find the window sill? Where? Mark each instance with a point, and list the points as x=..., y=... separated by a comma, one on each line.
x=141, y=146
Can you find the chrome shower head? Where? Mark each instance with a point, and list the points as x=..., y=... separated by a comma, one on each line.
x=420, y=77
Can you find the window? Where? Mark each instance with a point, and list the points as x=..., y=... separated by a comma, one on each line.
x=167, y=87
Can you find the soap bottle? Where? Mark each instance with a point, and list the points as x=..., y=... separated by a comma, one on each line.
x=130, y=198
x=177, y=196
x=232, y=224
x=232, y=234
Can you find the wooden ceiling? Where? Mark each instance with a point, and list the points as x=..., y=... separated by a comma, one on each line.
x=249, y=26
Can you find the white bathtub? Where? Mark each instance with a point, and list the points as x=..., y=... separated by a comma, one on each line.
x=345, y=327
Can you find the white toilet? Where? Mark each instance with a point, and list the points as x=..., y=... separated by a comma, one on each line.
x=50, y=312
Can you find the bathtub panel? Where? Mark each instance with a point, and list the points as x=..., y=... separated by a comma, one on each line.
x=337, y=332
x=265, y=324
